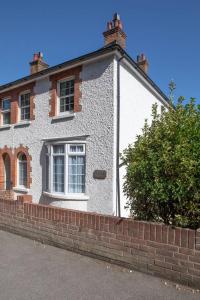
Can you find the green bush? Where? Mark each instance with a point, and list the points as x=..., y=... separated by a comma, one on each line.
x=162, y=181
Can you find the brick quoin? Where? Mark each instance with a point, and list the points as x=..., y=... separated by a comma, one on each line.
x=160, y=250
x=13, y=95
x=77, y=93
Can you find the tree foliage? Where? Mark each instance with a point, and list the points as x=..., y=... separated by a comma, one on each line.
x=162, y=181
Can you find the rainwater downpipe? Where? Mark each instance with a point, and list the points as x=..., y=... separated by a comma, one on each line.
x=118, y=203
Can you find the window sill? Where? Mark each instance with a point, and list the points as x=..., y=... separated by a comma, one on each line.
x=64, y=116
x=21, y=190
x=75, y=197
x=22, y=124
x=7, y=126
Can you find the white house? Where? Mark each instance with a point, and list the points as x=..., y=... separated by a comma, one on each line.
x=62, y=128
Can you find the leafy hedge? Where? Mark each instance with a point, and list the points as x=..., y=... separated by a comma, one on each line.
x=162, y=181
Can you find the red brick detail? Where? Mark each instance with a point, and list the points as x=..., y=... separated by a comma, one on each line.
x=115, y=35
x=23, y=150
x=198, y=241
x=77, y=93
x=114, y=32
x=32, y=105
x=13, y=95
x=144, y=66
x=7, y=194
x=25, y=198
x=3, y=152
x=38, y=65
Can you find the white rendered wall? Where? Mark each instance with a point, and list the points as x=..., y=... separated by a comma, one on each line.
x=136, y=100
x=95, y=120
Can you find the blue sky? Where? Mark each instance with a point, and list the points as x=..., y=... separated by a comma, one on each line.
x=167, y=32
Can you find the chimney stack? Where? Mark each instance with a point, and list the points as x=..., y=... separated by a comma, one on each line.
x=115, y=32
x=38, y=64
x=142, y=62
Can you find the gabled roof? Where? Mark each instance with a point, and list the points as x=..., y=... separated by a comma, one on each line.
x=81, y=59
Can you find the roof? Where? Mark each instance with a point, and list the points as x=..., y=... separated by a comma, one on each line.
x=102, y=51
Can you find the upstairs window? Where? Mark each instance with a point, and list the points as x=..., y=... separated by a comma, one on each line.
x=5, y=111
x=24, y=106
x=66, y=96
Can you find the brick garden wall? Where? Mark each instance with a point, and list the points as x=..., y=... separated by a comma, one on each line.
x=6, y=194
x=153, y=248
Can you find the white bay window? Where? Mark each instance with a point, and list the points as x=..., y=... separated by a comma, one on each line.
x=65, y=169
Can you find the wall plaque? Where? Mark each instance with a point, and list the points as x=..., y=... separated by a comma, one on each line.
x=99, y=174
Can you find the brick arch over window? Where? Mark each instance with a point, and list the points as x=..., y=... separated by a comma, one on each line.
x=6, y=151
x=23, y=150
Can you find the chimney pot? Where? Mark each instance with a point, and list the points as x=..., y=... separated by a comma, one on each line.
x=115, y=32
x=35, y=57
x=116, y=17
x=109, y=26
x=142, y=62
x=120, y=24
x=38, y=64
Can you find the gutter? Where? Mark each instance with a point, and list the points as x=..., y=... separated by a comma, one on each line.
x=89, y=57
x=106, y=51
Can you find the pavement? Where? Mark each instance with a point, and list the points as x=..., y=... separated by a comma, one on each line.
x=32, y=271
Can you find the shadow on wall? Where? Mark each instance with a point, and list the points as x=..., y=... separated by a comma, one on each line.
x=97, y=69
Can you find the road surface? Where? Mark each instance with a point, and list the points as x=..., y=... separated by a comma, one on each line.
x=32, y=271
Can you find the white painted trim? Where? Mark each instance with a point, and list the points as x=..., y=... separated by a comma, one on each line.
x=64, y=116
x=21, y=189
x=22, y=123
x=2, y=127
x=64, y=140
x=66, y=155
x=76, y=197
x=5, y=111
x=59, y=113
x=19, y=110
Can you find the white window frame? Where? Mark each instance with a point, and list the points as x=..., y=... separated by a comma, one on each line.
x=18, y=185
x=58, y=95
x=5, y=111
x=21, y=94
x=51, y=168
x=66, y=154
x=48, y=182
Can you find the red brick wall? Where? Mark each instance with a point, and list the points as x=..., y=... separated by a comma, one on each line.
x=156, y=249
x=7, y=194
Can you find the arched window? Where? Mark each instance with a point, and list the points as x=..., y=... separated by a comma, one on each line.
x=22, y=170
